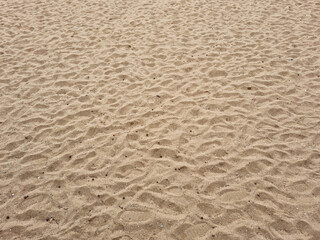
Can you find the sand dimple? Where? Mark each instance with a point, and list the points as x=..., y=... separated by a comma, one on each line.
x=217, y=73
x=135, y=216
x=233, y=196
x=159, y=119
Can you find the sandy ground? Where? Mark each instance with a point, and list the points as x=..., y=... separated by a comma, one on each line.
x=165, y=119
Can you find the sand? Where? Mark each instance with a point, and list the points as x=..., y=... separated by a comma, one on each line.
x=169, y=119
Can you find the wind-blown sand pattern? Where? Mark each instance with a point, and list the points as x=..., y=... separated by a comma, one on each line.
x=160, y=119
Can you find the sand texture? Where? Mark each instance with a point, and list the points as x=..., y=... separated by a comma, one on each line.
x=160, y=119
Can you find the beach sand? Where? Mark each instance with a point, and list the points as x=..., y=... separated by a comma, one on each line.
x=169, y=119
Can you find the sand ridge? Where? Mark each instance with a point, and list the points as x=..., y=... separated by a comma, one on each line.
x=162, y=119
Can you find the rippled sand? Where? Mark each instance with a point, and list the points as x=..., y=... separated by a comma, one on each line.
x=147, y=119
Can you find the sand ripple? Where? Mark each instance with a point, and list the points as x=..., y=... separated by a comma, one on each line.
x=168, y=119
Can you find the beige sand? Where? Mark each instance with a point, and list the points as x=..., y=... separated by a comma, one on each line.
x=160, y=119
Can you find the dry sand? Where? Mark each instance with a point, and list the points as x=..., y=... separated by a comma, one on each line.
x=165, y=119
